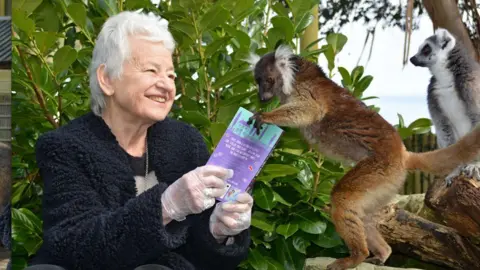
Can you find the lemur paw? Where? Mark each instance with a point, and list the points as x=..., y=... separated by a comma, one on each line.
x=449, y=179
x=472, y=171
x=375, y=260
x=257, y=117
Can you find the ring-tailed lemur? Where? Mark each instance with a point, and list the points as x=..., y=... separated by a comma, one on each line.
x=453, y=92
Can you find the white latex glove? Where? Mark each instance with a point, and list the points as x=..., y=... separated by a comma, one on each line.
x=231, y=218
x=195, y=191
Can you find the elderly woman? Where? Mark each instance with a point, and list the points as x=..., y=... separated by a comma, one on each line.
x=126, y=187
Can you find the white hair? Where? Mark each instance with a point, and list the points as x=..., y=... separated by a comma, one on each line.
x=285, y=66
x=112, y=47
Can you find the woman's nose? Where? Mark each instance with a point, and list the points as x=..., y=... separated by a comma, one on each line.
x=165, y=83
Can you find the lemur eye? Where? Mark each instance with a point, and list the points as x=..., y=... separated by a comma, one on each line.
x=426, y=50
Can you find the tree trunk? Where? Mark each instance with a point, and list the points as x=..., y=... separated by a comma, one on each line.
x=311, y=32
x=458, y=205
x=431, y=242
x=445, y=14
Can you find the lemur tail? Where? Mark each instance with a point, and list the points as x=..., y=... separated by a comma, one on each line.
x=445, y=160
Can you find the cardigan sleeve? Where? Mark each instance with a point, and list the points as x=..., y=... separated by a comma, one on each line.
x=78, y=226
x=201, y=248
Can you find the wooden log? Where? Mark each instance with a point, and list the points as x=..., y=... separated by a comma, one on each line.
x=425, y=240
x=458, y=206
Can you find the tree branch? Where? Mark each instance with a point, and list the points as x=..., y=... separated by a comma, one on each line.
x=37, y=90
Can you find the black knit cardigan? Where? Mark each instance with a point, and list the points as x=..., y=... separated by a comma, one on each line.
x=92, y=216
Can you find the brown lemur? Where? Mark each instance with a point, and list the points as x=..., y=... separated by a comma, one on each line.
x=343, y=128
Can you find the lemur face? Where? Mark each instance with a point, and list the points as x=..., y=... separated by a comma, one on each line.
x=268, y=78
x=274, y=73
x=434, y=49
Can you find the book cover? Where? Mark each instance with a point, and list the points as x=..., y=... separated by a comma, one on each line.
x=243, y=151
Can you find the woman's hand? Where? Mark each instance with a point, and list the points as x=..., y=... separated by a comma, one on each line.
x=195, y=191
x=231, y=218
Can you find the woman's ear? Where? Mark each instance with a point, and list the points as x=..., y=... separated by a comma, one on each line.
x=104, y=81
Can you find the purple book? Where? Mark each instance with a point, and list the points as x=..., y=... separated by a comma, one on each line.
x=243, y=151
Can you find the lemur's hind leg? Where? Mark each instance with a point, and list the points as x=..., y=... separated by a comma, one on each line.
x=363, y=189
x=377, y=245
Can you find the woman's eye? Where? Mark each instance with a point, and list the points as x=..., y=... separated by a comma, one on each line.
x=171, y=76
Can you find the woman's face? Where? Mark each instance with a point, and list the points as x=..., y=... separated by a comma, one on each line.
x=146, y=89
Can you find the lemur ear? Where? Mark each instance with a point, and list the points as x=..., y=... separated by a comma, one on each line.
x=252, y=60
x=444, y=38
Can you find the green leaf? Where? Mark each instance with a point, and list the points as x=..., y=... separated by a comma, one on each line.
x=337, y=41
x=310, y=222
x=273, y=264
x=401, y=122
x=306, y=53
x=109, y=6
x=329, y=55
x=280, y=169
x=291, y=259
x=249, y=12
x=357, y=73
x=63, y=58
x=261, y=220
x=423, y=130
x=362, y=85
x=230, y=77
x=300, y=244
x=46, y=17
x=241, y=7
x=45, y=40
x=215, y=45
x=293, y=139
x=214, y=17
x=240, y=37
x=274, y=35
x=301, y=7
x=313, y=43
x=188, y=104
x=345, y=75
x=235, y=99
x=78, y=13
x=263, y=195
x=226, y=113
x=195, y=118
x=27, y=229
x=283, y=24
x=21, y=21
x=280, y=199
x=186, y=28
x=287, y=230
x=26, y=6
x=188, y=3
x=137, y=4
x=325, y=241
x=305, y=20
x=404, y=132
x=420, y=123
x=367, y=98
x=257, y=261
x=216, y=132
x=280, y=9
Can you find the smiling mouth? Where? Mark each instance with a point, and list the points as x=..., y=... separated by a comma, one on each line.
x=157, y=99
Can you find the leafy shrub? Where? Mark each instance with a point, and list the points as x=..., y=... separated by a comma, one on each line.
x=52, y=46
